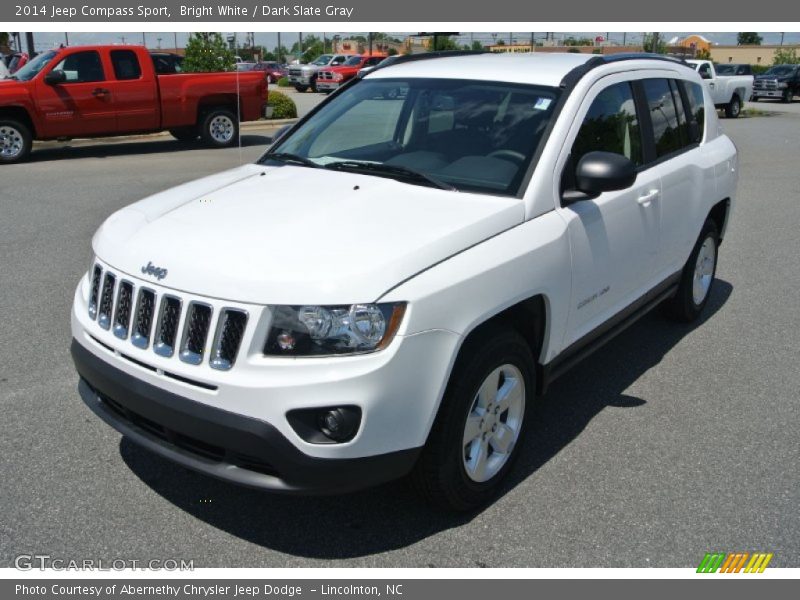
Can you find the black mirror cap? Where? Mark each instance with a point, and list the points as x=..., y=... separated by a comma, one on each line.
x=600, y=172
x=55, y=77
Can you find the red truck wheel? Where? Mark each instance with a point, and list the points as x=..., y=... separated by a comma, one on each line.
x=15, y=141
x=220, y=128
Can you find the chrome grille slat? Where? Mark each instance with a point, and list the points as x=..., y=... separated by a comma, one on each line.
x=228, y=338
x=167, y=328
x=143, y=323
x=195, y=332
x=122, y=314
x=106, y=301
x=97, y=273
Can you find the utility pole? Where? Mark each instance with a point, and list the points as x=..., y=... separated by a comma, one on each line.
x=782, y=34
x=624, y=37
x=30, y=44
x=144, y=41
x=369, y=39
x=280, y=50
x=123, y=39
x=533, y=44
x=66, y=39
x=175, y=34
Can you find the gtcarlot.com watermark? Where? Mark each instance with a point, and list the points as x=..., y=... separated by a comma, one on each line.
x=44, y=562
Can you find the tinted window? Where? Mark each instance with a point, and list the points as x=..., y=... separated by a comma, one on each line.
x=697, y=109
x=126, y=65
x=82, y=67
x=664, y=116
x=704, y=70
x=611, y=126
x=683, y=123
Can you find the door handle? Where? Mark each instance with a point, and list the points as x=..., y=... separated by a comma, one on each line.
x=100, y=92
x=646, y=198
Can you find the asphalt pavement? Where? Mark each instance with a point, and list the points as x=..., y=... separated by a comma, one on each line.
x=669, y=442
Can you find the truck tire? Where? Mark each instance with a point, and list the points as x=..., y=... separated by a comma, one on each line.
x=15, y=141
x=478, y=432
x=734, y=108
x=219, y=128
x=301, y=88
x=786, y=97
x=185, y=134
x=697, y=277
x=314, y=84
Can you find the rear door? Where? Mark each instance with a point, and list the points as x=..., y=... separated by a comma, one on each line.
x=133, y=91
x=82, y=104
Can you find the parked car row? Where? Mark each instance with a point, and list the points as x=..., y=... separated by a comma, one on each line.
x=273, y=71
x=731, y=84
x=96, y=91
x=329, y=71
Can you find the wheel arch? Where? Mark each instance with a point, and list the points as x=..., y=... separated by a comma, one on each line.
x=20, y=114
x=720, y=213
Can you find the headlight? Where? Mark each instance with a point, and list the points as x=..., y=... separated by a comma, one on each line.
x=324, y=330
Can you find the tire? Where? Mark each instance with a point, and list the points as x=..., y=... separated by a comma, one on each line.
x=786, y=97
x=301, y=88
x=754, y=99
x=219, y=128
x=16, y=141
x=185, y=134
x=314, y=84
x=734, y=108
x=448, y=473
x=697, y=277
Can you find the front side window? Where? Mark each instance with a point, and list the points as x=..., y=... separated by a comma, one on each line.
x=82, y=67
x=611, y=125
x=664, y=116
x=469, y=135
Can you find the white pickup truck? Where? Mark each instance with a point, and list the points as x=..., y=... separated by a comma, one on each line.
x=727, y=91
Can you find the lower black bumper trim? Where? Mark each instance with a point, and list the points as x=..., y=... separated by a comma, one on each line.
x=219, y=443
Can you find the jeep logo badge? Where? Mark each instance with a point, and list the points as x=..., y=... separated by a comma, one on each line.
x=157, y=272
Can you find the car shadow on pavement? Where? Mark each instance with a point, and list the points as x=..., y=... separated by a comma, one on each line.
x=101, y=150
x=391, y=516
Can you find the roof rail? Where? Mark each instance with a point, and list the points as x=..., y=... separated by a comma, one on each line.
x=571, y=78
x=404, y=58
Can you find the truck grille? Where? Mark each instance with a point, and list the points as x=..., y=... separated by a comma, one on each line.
x=765, y=84
x=147, y=317
x=295, y=72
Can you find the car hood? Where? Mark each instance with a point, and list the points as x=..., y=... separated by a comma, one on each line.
x=773, y=77
x=296, y=235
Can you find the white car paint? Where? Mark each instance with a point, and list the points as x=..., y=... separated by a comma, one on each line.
x=253, y=237
x=723, y=87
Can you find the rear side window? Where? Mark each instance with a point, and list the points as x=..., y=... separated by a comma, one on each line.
x=663, y=115
x=611, y=125
x=126, y=65
x=683, y=123
x=697, y=111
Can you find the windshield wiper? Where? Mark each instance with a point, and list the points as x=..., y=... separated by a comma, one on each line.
x=392, y=171
x=288, y=157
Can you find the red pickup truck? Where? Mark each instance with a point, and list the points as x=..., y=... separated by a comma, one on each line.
x=95, y=91
x=330, y=78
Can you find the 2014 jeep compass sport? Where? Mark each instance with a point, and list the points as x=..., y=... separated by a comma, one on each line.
x=388, y=289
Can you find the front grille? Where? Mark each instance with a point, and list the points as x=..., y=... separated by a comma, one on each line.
x=765, y=85
x=148, y=319
x=195, y=333
x=106, y=301
x=145, y=308
x=228, y=338
x=167, y=326
x=122, y=316
x=295, y=72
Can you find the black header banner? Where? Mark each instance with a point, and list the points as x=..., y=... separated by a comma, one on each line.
x=405, y=11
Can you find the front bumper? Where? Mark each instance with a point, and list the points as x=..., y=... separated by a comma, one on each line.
x=327, y=85
x=226, y=445
x=300, y=79
x=768, y=93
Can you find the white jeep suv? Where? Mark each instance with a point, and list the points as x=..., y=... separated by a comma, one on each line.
x=388, y=289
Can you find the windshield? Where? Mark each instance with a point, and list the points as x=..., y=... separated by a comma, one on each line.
x=468, y=135
x=353, y=61
x=781, y=71
x=323, y=60
x=30, y=70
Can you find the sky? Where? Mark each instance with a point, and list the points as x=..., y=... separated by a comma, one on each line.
x=270, y=39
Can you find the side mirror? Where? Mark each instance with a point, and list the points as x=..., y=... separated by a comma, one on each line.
x=55, y=77
x=599, y=172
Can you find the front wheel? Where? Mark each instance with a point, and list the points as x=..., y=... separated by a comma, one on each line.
x=300, y=88
x=16, y=141
x=697, y=277
x=220, y=128
x=479, y=429
x=786, y=97
x=314, y=84
x=734, y=108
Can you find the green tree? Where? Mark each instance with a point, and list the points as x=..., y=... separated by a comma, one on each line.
x=571, y=41
x=207, y=53
x=654, y=42
x=4, y=37
x=445, y=42
x=477, y=46
x=786, y=56
x=748, y=38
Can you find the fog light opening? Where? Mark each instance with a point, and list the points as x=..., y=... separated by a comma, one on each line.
x=339, y=424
